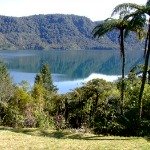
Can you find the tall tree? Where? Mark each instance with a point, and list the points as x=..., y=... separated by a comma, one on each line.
x=123, y=26
x=44, y=78
x=6, y=85
x=6, y=89
x=137, y=15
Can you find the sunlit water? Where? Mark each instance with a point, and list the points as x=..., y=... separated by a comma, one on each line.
x=64, y=86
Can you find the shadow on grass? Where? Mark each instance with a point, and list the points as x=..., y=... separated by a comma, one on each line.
x=65, y=134
x=20, y=130
x=80, y=136
x=55, y=134
x=147, y=138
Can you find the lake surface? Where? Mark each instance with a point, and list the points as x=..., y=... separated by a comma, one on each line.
x=69, y=69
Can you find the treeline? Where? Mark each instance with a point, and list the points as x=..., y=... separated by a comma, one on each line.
x=94, y=107
x=67, y=32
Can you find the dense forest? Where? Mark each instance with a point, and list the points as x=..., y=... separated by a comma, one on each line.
x=56, y=32
x=94, y=107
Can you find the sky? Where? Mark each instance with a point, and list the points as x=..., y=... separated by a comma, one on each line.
x=93, y=9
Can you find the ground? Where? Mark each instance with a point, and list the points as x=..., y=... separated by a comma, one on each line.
x=36, y=139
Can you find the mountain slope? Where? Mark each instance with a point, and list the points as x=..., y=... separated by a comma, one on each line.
x=53, y=32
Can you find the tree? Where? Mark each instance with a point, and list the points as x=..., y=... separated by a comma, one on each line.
x=44, y=78
x=123, y=26
x=138, y=16
x=5, y=84
x=43, y=92
x=20, y=110
x=6, y=89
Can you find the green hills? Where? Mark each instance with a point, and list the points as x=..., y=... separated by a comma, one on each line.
x=57, y=31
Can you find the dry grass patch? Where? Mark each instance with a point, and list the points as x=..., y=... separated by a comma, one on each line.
x=36, y=139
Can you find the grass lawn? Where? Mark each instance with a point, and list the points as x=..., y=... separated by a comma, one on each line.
x=36, y=139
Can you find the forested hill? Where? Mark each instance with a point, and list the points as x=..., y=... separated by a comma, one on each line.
x=54, y=32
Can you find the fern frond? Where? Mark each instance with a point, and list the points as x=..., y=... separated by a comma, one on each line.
x=126, y=7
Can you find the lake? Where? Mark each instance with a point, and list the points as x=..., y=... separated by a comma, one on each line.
x=70, y=69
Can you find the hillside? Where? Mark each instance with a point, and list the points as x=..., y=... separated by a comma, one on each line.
x=54, y=32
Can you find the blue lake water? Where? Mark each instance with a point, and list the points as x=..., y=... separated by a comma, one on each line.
x=59, y=81
x=70, y=69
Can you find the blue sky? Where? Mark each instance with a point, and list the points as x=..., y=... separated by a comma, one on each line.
x=93, y=9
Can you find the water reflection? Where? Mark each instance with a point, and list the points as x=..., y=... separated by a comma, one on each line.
x=69, y=69
x=74, y=64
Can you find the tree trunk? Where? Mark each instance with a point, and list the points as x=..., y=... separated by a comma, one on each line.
x=123, y=68
x=149, y=76
x=144, y=74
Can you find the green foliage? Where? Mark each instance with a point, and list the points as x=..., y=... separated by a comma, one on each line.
x=44, y=79
x=94, y=106
x=43, y=93
x=20, y=110
x=55, y=32
x=5, y=84
x=39, y=94
x=43, y=120
x=84, y=102
x=48, y=32
x=137, y=15
x=6, y=90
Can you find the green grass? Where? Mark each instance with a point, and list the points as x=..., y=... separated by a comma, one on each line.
x=36, y=139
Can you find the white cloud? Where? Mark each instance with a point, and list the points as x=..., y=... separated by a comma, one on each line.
x=94, y=9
